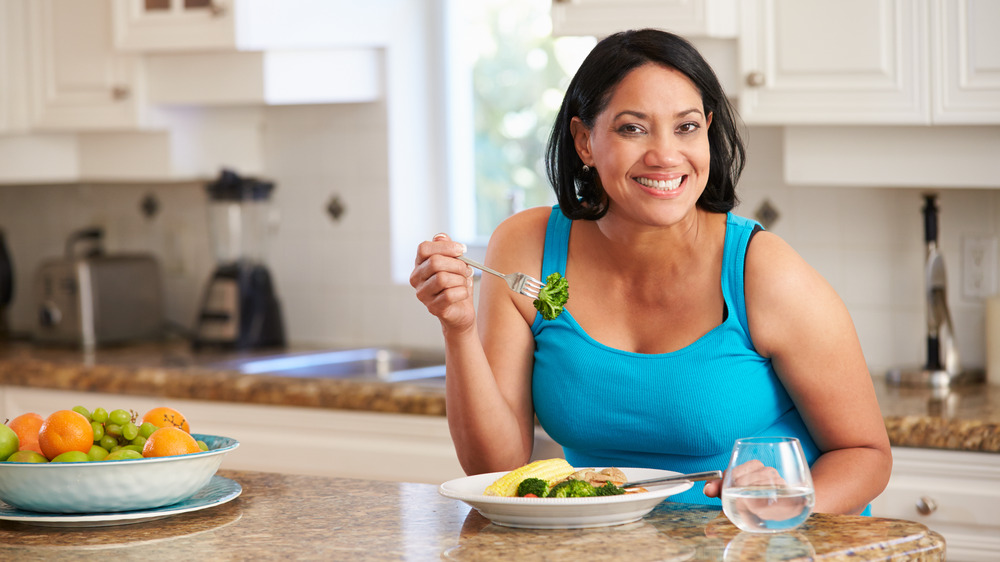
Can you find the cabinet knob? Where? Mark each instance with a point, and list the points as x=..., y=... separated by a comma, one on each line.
x=755, y=79
x=119, y=93
x=926, y=506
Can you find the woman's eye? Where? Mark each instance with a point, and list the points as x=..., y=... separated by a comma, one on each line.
x=630, y=129
x=689, y=127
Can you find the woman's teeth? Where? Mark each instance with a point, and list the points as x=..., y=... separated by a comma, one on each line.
x=661, y=185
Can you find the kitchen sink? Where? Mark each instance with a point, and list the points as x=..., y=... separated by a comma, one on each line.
x=371, y=363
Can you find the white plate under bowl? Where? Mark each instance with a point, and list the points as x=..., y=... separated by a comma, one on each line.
x=111, y=486
x=218, y=491
x=563, y=513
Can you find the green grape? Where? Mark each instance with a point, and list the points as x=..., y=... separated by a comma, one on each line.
x=119, y=417
x=108, y=441
x=129, y=431
x=97, y=453
x=99, y=415
x=83, y=412
x=139, y=440
x=115, y=448
x=123, y=454
x=135, y=448
x=147, y=429
x=98, y=431
x=72, y=456
x=203, y=445
x=113, y=429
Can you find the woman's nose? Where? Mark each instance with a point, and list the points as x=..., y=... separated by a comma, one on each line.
x=662, y=152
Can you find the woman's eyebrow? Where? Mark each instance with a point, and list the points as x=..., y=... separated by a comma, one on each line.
x=641, y=115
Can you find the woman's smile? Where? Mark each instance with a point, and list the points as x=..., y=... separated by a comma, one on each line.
x=661, y=185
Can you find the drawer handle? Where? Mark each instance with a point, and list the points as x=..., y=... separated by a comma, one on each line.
x=926, y=506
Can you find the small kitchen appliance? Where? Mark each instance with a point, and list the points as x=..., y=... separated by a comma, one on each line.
x=91, y=298
x=240, y=308
x=943, y=367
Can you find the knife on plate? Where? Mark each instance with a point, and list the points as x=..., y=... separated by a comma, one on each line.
x=693, y=477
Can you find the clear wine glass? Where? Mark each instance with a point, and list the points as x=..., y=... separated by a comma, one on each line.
x=767, y=487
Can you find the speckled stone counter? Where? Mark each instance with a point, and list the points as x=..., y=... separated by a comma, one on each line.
x=964, y=418
x=314, y=518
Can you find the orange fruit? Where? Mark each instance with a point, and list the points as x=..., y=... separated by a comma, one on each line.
x=163, y=416
x=65, y=431
x=26, y=427
x=169, y=441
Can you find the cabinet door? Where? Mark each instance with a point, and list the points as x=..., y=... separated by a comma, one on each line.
x=174, y=25
x=13, y=67
x=707, y=18
x=79, y=82
x=845, y=62
x=954, y=493
x=965, y=56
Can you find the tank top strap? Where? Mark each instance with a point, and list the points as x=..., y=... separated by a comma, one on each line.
x=739, y=230
x=556, y=248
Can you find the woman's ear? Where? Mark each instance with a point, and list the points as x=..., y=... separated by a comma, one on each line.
x=581, y=140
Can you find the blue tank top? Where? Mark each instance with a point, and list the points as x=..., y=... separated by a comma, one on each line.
x=678, y=411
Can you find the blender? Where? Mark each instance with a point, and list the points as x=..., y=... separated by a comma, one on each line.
x=240, y=308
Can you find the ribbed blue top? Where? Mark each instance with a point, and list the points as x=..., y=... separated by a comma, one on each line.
x=677, y=411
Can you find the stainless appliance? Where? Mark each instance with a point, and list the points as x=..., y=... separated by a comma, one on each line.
x=97, y=298
x=943, y=367
x=240, y=307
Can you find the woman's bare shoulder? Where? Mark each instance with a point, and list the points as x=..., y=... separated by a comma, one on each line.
x=518, y=242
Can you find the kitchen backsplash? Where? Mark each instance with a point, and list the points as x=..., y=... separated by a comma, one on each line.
x=333, y=276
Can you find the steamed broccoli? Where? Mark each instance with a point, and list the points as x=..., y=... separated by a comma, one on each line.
x=572, y=489
x=535, y=486
x=553, y=296
x=609, y=489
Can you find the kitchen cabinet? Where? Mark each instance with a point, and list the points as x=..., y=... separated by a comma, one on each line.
x=78, y=81
x=954, y=493
x=313, y=441
x=866, y=62
x=703, y=18
x=13, y=70
x=174, y=25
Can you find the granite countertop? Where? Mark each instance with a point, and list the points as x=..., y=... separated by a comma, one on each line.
x=963, y=418
x=316, y=518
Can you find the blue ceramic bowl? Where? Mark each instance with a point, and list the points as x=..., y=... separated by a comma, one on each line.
x=111, y=486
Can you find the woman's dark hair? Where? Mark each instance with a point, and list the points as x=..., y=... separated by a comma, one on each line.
x=579, y=193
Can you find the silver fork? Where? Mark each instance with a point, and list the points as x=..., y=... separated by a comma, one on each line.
x=518, y=282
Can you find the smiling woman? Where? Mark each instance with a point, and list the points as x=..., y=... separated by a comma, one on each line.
x=688, y=326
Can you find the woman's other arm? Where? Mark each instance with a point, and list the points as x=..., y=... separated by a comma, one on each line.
x=798, y=320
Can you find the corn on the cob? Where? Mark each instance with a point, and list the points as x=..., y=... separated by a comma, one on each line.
x=550, y=470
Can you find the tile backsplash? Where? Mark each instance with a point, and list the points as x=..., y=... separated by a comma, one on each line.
x=333, y=276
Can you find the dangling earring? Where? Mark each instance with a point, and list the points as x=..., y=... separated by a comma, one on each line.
x=586, y=169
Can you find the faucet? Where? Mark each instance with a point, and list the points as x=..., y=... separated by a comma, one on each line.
x=942, y=353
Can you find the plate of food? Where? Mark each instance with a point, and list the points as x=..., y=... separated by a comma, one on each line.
x=571, y=498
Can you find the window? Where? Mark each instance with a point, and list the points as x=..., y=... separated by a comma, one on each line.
x=507, y=79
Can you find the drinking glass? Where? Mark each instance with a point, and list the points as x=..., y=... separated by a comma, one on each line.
x=767, y=487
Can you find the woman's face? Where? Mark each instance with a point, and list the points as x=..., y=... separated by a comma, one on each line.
x=649, y=146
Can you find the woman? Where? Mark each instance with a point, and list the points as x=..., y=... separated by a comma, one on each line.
x=680, y=335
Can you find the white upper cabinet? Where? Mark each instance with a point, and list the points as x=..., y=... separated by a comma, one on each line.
x=699, y=18
x=850, y=61
x=78, y=81
x=965, y=53
x=13, y=70
x=174, y=25
x=868, y=62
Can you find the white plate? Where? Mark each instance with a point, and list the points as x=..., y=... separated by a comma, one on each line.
x=218, y=491
x=562, y=513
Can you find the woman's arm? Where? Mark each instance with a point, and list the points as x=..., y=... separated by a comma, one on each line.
x=489, y=358
x=797, y=319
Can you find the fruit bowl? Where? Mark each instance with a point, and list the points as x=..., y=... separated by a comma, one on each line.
x=111, y=486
